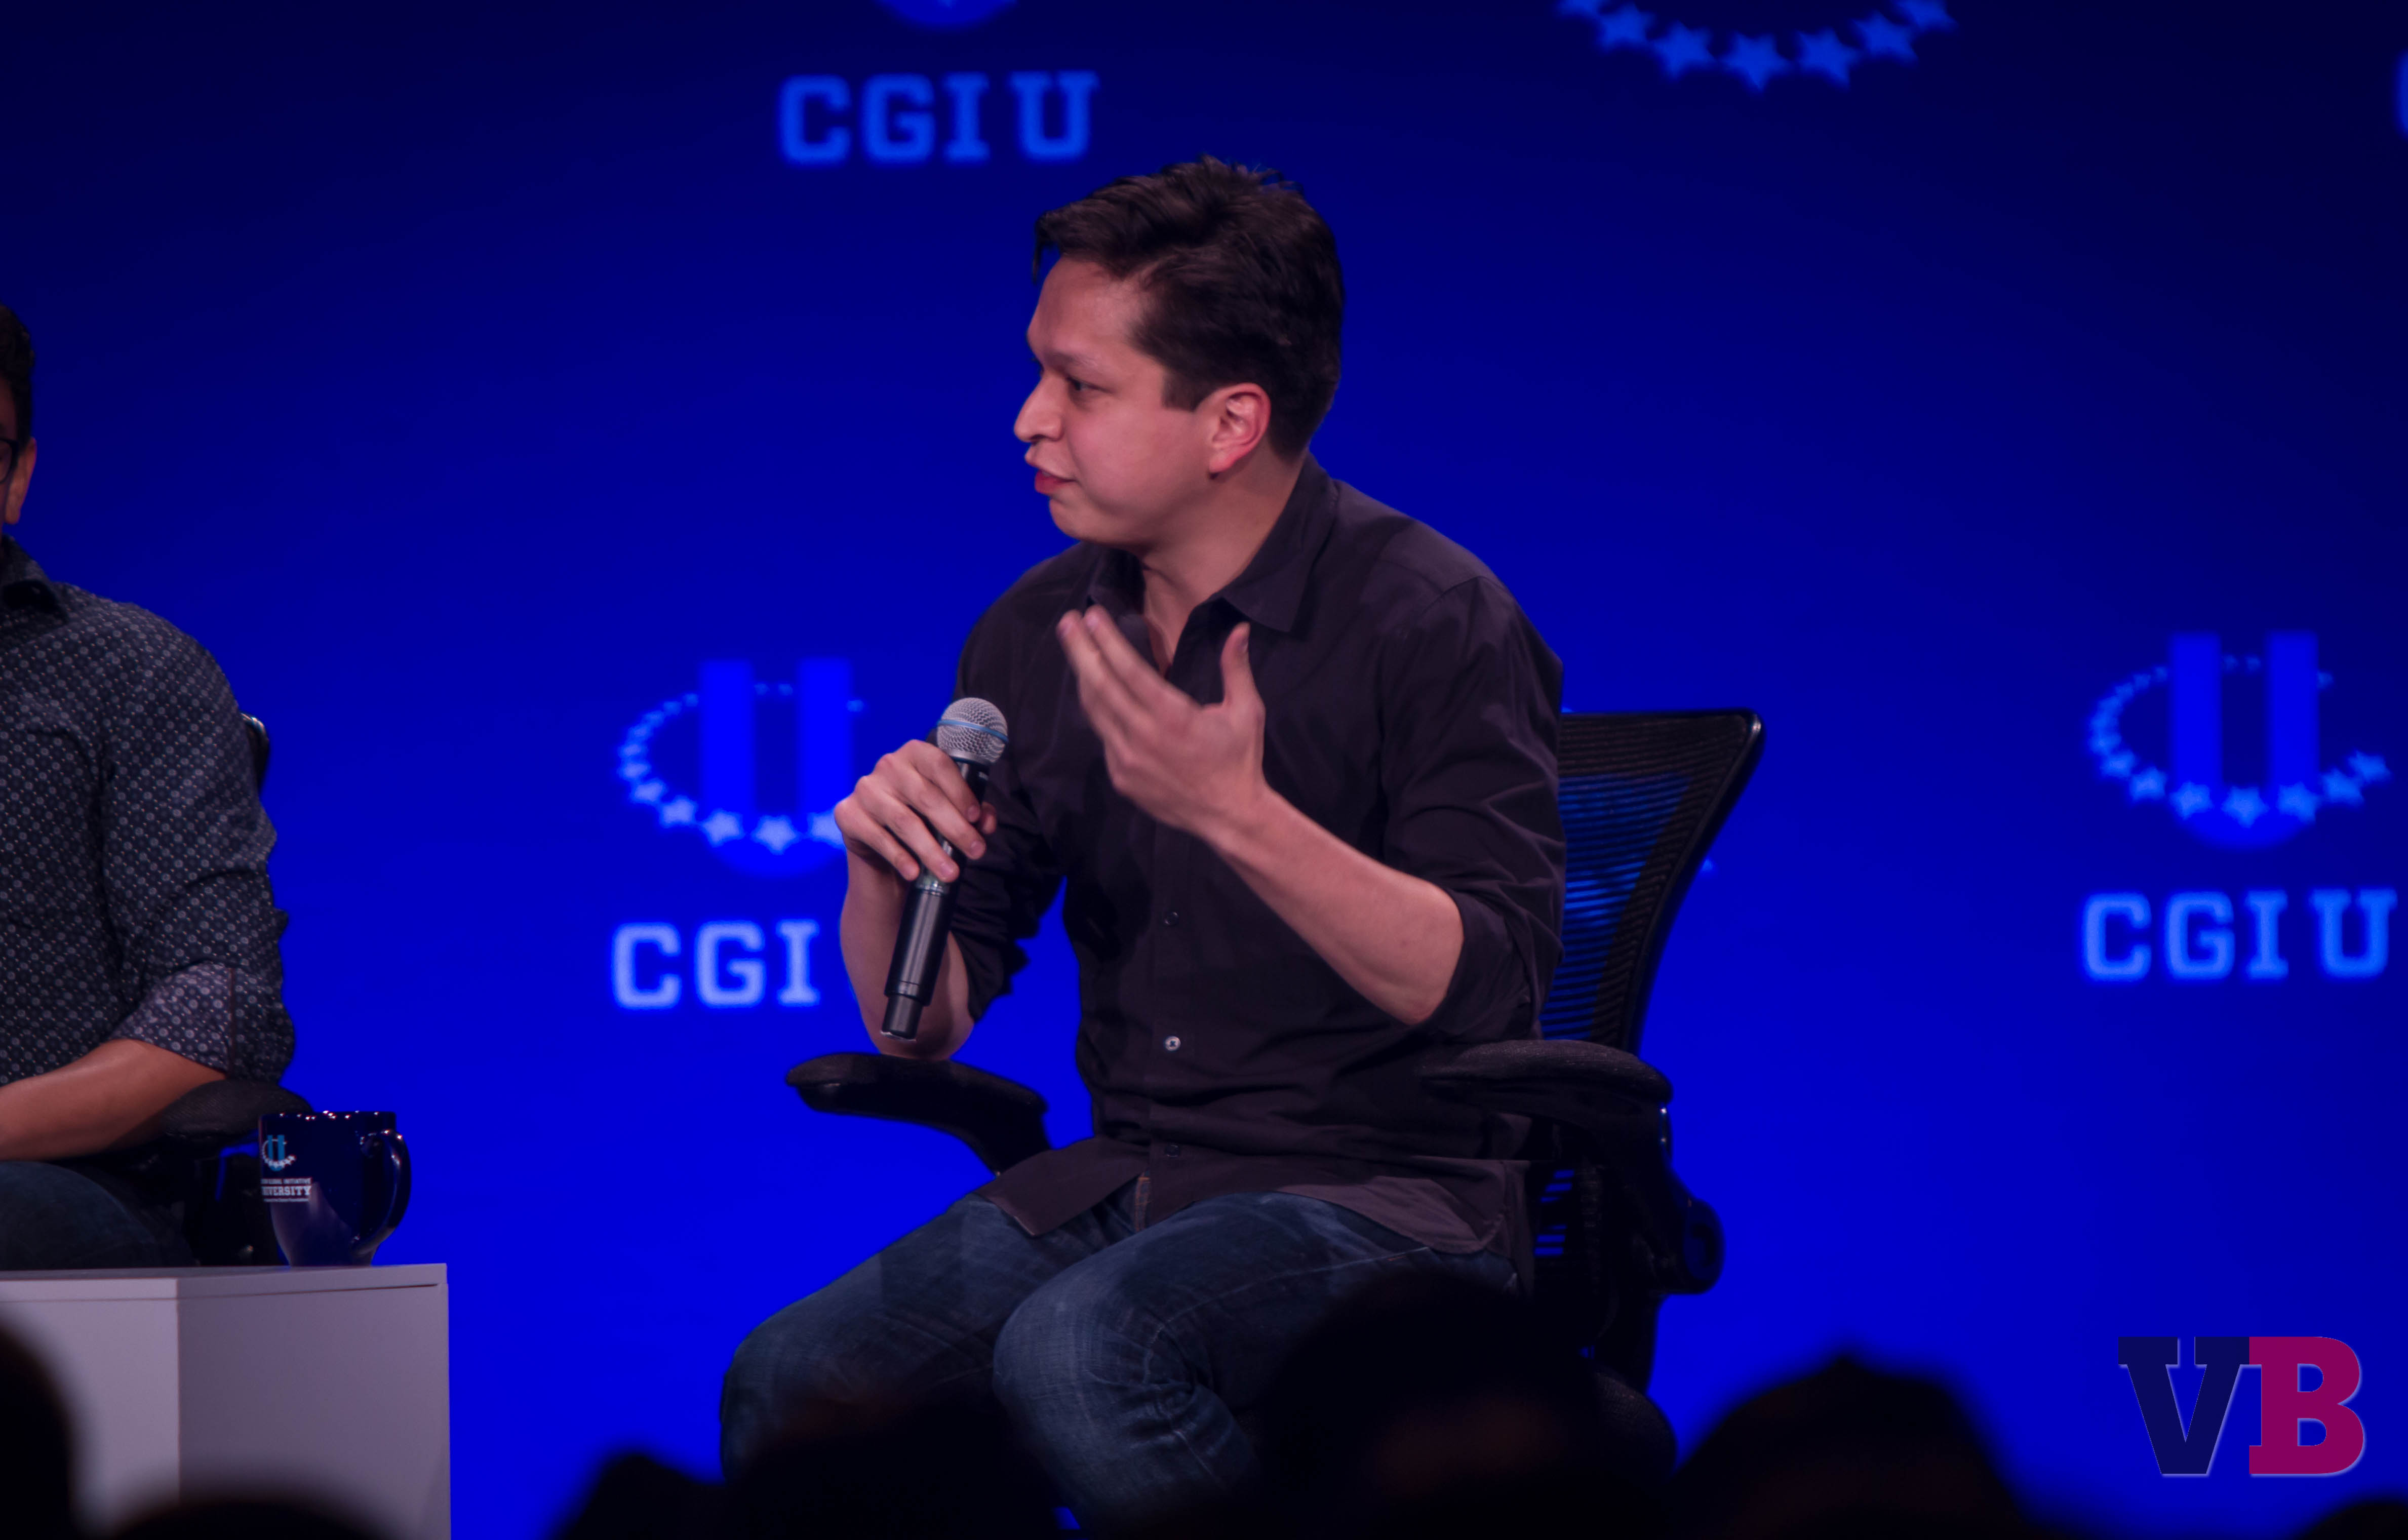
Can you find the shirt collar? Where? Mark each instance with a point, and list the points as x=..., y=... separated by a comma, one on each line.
x=1271, y=591
x=22, y=582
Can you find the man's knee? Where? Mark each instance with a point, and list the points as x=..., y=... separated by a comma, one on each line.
x=795, y=1356
x=1083, y=1330
x=911, y=1323
x=784, y=1363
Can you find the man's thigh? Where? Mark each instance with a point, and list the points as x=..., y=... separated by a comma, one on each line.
x=918, y=1320
x=53, y=1218
x=1218, y=1293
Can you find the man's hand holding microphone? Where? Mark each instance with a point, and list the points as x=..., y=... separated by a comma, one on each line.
x=909, y=827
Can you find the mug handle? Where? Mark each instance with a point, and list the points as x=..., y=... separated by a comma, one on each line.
x=395, y=1151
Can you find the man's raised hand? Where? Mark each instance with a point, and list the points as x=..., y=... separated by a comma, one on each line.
x=896, y=812
x=1196, y=767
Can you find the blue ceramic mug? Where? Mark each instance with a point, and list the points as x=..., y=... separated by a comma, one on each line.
x=337, y=1183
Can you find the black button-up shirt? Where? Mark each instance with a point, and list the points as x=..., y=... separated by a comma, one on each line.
x=1411, y=711
x=134, y=898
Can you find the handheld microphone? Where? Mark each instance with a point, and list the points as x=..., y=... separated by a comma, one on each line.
x=972, y=733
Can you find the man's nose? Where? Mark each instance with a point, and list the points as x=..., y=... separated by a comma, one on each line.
x=1037, y=418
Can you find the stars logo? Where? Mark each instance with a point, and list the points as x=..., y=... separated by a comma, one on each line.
x=945, y=14
x=1683, y=49
x=1887, y=33
x=2235, y=813
x=1885, y=38
x=722, y=716
x=1755, y=60
x=777, y=832
x=1625, y=27
x=1825, y=54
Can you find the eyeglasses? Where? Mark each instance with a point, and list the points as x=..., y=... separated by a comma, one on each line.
x=8, y=458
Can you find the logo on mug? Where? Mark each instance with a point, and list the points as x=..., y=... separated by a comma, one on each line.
x=275, y=1153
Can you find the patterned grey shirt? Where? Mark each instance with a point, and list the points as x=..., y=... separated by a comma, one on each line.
x=134, y=898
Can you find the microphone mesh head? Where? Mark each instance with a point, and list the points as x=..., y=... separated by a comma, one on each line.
x=972, y=729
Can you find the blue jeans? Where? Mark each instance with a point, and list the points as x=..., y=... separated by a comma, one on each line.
x=1124, y=1354
x=56, y=1216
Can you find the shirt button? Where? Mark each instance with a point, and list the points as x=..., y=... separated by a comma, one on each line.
x=1171, y=919
x=1170, y=1044
x=1170, y=1149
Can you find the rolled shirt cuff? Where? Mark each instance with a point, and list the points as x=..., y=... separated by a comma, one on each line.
x=218, y=1017
x=1491, y=997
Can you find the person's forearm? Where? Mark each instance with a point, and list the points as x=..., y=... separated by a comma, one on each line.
x=108, y=1098
x=1393, y=937
x=873, y=911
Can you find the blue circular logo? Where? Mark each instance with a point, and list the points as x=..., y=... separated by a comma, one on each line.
x=1757, y=58
x=945, y=13
x=777, y=845
x=2291, y=783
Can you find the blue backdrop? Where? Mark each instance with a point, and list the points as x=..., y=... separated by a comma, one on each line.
x=2004, y=401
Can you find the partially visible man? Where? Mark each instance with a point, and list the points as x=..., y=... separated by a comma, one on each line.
x=138, y=941
x=1289, y=759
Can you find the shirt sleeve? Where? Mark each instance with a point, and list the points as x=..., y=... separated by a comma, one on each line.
x=1002, y=895
x=1470, y=697
x=184, y=847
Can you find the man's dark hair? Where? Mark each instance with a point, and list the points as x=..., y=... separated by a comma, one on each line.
x=1240, y=277
x=17, y=368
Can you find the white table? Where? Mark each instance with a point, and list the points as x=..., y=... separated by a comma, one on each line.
x=326, y=1383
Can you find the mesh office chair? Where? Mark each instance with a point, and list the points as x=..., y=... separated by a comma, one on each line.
x=207, y=1144
x=1642, y=795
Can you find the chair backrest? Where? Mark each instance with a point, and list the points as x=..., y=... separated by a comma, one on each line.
x=1642, y=795
x=256, y=730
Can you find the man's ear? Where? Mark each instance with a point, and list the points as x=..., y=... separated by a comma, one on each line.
x=1238, y=418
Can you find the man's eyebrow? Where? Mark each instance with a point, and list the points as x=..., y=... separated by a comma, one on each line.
x=1061, y=357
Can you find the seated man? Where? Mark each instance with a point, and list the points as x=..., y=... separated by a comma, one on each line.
x=1292, y=757
x=137, y=946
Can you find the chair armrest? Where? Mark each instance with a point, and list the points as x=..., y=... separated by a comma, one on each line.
x=1614, y=1102
x=1575, y=1083
x=206, y=1118
x=1002, y=1121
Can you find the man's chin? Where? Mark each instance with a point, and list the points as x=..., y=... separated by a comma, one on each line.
x=1082, y=520
x=1080, y=523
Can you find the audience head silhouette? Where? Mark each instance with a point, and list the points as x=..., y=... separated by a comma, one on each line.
x=36, y=1454
x=1435, y=1406
x=1848, y=1452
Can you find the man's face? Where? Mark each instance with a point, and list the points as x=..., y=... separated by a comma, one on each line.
x=12, y=493
x=1117, y=465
